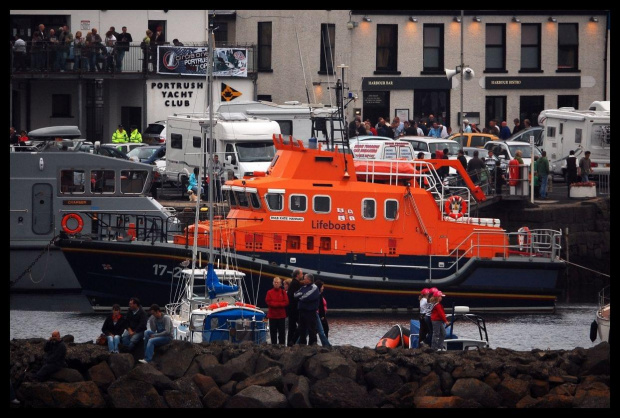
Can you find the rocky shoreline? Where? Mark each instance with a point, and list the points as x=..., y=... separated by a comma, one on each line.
x=224, y=375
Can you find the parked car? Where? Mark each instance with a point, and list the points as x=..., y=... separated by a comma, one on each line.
x=155, y=133
x=126, y=147
x=147, y=154
x=507, y=149
x=524, y=135
x=472, y=139
x=109, y=150
x=429, y=145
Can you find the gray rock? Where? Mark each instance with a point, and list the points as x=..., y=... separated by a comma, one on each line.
x=269, y=377
x=180, y=399
x=121, y=363
x=477, y=391
x=322, y=365
x=102, y=375
x=130, y=393
x=339, y=392
x=258, y=397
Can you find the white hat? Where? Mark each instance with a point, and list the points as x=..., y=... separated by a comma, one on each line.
x=465, y=121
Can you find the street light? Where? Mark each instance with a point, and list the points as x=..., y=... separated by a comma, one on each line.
x=466, y=73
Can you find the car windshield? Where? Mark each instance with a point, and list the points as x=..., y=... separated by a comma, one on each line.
x=452, y=146
x=525, y=150
x=154, y=128
x=143, y=153
x=112, y=152
x=255, y=151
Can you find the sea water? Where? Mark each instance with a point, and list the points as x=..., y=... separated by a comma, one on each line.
x=566, y=329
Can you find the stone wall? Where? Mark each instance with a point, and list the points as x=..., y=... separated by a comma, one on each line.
x=223, y=375
x=589, y=239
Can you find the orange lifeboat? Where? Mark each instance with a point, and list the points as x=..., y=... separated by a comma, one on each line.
x=382, y=170
x=217, y=305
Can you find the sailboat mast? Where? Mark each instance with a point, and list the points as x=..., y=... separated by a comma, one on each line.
x=212, y=181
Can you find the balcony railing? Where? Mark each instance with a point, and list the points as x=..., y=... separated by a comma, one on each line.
x=135, y=60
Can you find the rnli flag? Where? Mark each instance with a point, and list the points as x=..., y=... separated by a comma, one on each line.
x=228, y=93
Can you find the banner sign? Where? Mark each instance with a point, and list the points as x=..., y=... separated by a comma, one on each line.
x=229, y=62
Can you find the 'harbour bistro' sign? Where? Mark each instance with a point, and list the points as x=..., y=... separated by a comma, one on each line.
x=532, y=82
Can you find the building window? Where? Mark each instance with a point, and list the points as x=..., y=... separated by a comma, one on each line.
x=568, y=101
x=495, y=56
x=433, y=48
x=495, y=109
x=530, y=107
x=221, y=34
x=264, y=46
x=530, y=47
x=328, y=48
x=568, y=47
x=387, y=47
x=61, y=106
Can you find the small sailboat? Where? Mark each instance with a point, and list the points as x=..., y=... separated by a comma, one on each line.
x=210, y=302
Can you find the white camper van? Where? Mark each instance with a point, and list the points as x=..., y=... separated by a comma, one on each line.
x=294, y=117
x=568, y=129
x=244, y=144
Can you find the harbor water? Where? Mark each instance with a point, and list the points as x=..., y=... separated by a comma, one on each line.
x=566, y=329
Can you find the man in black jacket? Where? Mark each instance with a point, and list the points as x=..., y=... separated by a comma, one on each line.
x=136, y=325
x=55, y=352
x=292, y=312
x=308, y=303
x=122, y=45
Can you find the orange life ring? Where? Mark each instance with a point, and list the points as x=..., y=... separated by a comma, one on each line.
x=247, y=305
x=455, y=207
x=524, y=238
x=217, y=305
x=78, y=219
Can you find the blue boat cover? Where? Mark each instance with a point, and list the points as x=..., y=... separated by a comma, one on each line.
x=414, y=339
x=214, y=286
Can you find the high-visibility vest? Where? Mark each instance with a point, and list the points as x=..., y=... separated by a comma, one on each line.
x=120, y=137
x=135, y=136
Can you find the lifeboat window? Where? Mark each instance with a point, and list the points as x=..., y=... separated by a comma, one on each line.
x=176, y=141
x=298, y=203
x=326, y=243
x=293, y=242
x=275, y=201
x=369, y=209
x=242, y=199
x=391, y=209
x=133, y=181
x=230, y=196
x=275, y=159
x=322, y=204
x=254, y=200
x=310, y=243
x=102, y=181
x=72, y=181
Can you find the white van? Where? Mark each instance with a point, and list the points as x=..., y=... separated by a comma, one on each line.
x=568, y=129
x=244, y=144
x=382, y=150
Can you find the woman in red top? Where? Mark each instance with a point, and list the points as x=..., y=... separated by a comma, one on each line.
x=23, y=138
x=277, y=301
x=438, y=318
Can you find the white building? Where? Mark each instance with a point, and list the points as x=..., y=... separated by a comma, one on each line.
x=523, y=63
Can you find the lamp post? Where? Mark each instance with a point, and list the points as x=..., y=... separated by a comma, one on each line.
x=465, y=72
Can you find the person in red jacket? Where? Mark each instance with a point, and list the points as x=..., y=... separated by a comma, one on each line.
x=438, y=318
x=277, y=301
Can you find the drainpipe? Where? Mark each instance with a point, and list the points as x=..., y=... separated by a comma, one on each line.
x=605, y=57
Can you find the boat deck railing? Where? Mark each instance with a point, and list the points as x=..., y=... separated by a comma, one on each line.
x=542, y=244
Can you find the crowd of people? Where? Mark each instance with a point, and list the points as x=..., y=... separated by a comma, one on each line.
x=60, y=50
x=427, y=127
